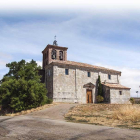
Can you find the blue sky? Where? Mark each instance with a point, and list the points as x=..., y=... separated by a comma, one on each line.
x=100, y=33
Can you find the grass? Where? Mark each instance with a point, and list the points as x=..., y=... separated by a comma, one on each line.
x=115, y=115
x=26, y=111
x=128, y=113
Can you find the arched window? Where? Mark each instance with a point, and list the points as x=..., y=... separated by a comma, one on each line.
x=53, y=54
x=61, y=55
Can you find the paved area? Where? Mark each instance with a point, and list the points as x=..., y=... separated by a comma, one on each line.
x=49, y=124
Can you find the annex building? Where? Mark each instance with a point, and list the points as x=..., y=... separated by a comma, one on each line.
x=68, y=81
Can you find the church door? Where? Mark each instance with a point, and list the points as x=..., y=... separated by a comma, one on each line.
x=89, y=96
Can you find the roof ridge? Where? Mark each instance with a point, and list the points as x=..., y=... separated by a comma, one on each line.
x=100, y=67
x=114, y=85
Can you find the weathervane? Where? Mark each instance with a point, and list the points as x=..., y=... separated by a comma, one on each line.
x=55, y=37
x=55, y=42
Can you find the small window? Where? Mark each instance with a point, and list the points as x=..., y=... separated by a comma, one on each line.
x=120, y=92
x=66, y=71
x=109, y=76
x=88, y=74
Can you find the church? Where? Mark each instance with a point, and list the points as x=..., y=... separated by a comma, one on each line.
x=74, y=82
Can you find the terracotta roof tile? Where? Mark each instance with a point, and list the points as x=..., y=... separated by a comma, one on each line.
x=85, y=65
x=55, y=47
x=115, y=86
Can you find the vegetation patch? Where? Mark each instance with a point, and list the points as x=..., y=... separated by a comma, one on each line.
x=21, y=88
x=28, y=111
x=114, y=115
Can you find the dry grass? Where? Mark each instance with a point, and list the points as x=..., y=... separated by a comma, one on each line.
x=30, y=110
x=127, y=113
x=106, y=114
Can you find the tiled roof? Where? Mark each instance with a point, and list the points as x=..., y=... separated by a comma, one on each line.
x=55, y=47
x=115, y=86
x=86, y=65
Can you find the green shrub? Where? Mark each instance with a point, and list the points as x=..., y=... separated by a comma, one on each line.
x=21, y=88
x=49, y=101
x=100, y=99
x=132, y=100
x=18, y=95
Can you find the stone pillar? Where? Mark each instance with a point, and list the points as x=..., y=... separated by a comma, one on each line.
x=57, y=54
x=49, y=56
x=65, y=55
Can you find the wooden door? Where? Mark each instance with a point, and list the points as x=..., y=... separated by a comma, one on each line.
x=89, y=96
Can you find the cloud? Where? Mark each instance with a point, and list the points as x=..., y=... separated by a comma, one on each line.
x=130, y=78
x=39, y=63
x=44, y=5
x=109, y=39
x=4, y=59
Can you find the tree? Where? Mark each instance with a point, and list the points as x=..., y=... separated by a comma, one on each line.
x=21, y=88
x=99, y=86
x=100, y=92
x=22, y=70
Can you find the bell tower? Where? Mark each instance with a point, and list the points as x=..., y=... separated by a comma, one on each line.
x=53, y=53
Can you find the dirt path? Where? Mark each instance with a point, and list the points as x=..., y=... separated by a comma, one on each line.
x=49, y=124
x=55, y=112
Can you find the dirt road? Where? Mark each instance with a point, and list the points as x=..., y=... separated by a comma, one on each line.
x=49, y=124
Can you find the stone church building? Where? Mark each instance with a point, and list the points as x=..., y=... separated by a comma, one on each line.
x=68, y=81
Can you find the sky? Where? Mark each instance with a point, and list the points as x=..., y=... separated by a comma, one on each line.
x=104, y=33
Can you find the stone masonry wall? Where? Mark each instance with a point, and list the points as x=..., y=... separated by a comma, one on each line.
x=114, y=77
x=81, y=80
x=69, y=88
x=115, y=96
x=64, y=85
x=49, y=81
x=106, y=91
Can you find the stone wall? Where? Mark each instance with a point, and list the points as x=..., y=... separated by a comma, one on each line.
x=114, y=77
x=81, y=80
x=137, y=100
x=106, y=92
x=49, y=81
x=115, y=96
x=69, y=88
x=64, y=85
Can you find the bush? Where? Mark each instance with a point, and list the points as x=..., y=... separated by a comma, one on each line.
x=18, y=95
x=49, y=101
x=132, y=100
x=100, y=99
x=21, y=88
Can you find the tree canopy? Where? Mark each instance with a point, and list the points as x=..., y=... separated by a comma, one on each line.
x=20, y=88
x=22, y=70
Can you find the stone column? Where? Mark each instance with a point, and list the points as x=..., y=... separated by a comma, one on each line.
x=65, y=55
